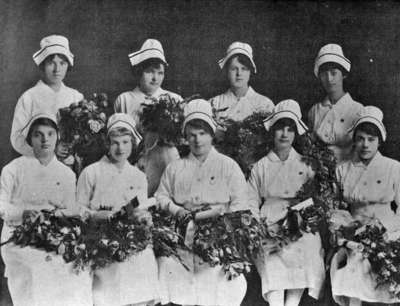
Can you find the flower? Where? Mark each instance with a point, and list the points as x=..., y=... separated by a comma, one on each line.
x=95, y=126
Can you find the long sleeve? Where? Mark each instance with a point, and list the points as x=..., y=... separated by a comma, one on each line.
x=237, y=188
x=253, y=187
x=164, y=192
x=8, y=210
x=22, y=115
x=84, y=189
x=118, y=105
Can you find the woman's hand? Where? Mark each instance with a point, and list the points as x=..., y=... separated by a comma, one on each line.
x=30, y=214
x=210, y=213
x=143, y=216
x=62, y=150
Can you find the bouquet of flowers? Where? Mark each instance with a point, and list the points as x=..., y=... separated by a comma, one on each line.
x=166, y=240
x=245, y=141
x=83, y=130
x=91, y=243
x=164, y=118
x=231, y=240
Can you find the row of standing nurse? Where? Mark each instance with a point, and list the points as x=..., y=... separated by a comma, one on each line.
x=330, y=119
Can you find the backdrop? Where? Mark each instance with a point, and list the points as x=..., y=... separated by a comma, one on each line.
x=285, y=36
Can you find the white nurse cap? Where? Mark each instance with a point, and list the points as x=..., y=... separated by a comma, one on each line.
x=151, y=48
x=198, y=109
x=53, y=44
x=331, y=53
x=238, y=48
x=374, y=115
x=123, y=120
x=286, y=109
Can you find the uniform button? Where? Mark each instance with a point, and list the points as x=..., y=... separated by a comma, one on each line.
x=197, y=198
x=378, y=181
x=286, y=192
x=342, y=120
x=365, y=183
x=199, y=179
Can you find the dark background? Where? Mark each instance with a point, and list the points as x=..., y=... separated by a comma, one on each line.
x=285, y=37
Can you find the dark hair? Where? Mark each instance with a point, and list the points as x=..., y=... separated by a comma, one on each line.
x=281, y=123
x=51, y=57
x=200, y=125
x=370, y=129
x=36, y=123
x=243, y=59
x=121, y=131
x=332, y=65
x=138, y=69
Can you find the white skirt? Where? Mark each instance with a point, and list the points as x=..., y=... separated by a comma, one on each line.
x=202, y=285
x=356, y=280
x=298, y=265
x=130, y=282
x=37, y=278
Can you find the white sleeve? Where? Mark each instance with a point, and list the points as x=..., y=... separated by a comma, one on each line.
x=22, y=115
x=253, y=188
x=85, y=188
x=164, y=192
x=8, y=180
x=237, y=188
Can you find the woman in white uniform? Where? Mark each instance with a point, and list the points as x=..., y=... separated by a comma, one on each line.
x=112, y=182
x=54, y=60
x=29, y=184
x=274, y=182
x=148, y=65
x=240, y=100
x=203, y=177
x=331, y=119
x=370, y=182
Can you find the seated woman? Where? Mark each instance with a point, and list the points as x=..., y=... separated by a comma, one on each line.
x=29, y=184
x=240, y=100
x=148, y=66
x=49, y=94
x=274, y=182
x=112, y=183
x=370, y=182
x=331, y=119
x=203, y=177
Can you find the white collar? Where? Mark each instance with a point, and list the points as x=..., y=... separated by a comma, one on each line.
x=340, y=103
x=143, y=96
x=249, y=94
x=47, y=87
x=293, y=155
x=358, y=163
x=211, y=155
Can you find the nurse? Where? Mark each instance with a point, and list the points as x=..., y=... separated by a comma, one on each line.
x=113, y=182
x=148, y=66
x=203, y=177
x=54, y=60
x=370, y=182
x=273, y=184
x=240, y=100
x=331, y=119
x=29, y=184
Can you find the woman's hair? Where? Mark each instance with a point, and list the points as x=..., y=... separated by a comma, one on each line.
x=51, y=57
x=332, y=65
x=200, y=125
x=36, y=123
x=281, y=123
x=120, y=131
x=243, y=59
x=370, y=129
x=137, y=70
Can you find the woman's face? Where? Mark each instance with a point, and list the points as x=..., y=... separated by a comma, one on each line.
x=120, y=148
x=283, y=138
x=151, y=79
x=55, y=70
x=200, y=141
x=332, y=80
x=366, y=145
x=238, y=74
x=43, y=140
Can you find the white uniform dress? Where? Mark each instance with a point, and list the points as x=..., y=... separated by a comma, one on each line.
x=189, y=183
x=34, y=279
x=38, y=99
x=332, y=122
x=156, y=158
x=375, y=185
x=134, y=280
x=299, y=264
x=240, y=108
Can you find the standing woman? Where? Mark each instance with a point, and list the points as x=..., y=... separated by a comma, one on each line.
x=333, y=117
x=240, y=100
x=29, y=184
x=273, y=184
x=112, y=182
x=370, y=182
x=54, y=60
x=148, y=66
x=203, y=177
